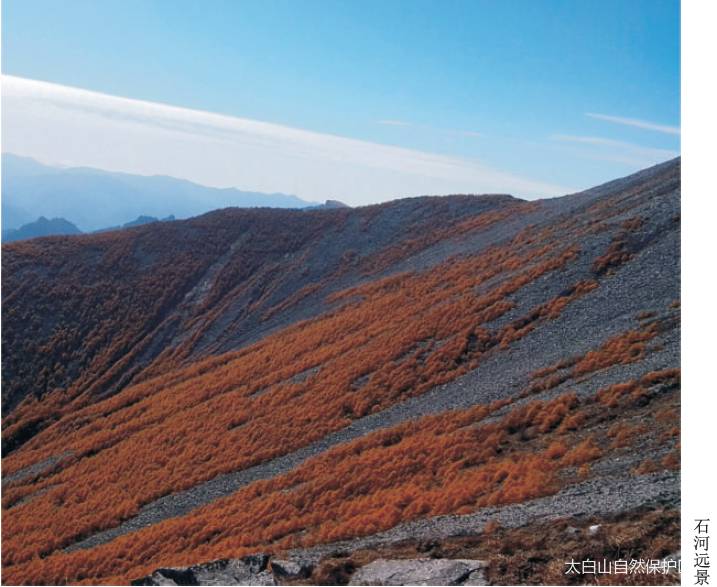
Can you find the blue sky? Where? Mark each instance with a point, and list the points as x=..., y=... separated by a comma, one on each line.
x=509, y=84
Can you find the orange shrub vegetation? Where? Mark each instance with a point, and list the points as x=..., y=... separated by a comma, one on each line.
x=672, y=459
x=668, y=415
x=384, y=259
x=632, y=224
x=556, y=450
x=82, y=314
x=550, y=370
x=436, y=465
x=549, y=310
x=635, y=390
x=573, y=422
x=406, y=336
x=625, y=348
x=623, y=434
x=398, y=337
x=618, y=251
x=646, y=467
x=109, y=323
x=583, y=453
x=584, y=471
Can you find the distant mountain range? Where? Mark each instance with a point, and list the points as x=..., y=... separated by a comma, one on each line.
x=92, y=199
x=59, y=226
x=41, y=227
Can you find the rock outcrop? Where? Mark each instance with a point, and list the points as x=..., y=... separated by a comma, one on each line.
x=249, y=570
x=421, y=572
x=257, y=570
x=291, y=569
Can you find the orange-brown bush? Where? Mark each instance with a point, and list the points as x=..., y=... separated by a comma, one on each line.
x=632, y=224
x=144, y=442
x=645, y=467
x=556, y=450
x=491, y=526
x=584, y=471
x=634, y=390
x=383, y=341
x=672, y=459
x=81, y=315
x=392, y=254
x=623, y=434
x=437, y=465
x=668, y=415
x=618, y=252
x=128, y=426
x=440, y=464
x=583, y=453
x=625, y=348
x=573, y=422
x=616, y=255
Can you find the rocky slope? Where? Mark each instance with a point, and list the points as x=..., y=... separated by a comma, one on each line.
x=111, y=308
x=324, y=383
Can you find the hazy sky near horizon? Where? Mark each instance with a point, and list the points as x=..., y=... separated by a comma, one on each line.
x=359, y=101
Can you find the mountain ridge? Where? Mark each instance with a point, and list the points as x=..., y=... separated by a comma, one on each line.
x=231, y=226
x=327, y=379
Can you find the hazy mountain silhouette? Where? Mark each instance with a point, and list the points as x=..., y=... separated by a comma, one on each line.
x=60, y=227
x=41, y=227
x=94, y=199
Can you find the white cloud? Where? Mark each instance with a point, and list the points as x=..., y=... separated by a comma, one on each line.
x=62, y=125
x=644, y=124
x=618, y=151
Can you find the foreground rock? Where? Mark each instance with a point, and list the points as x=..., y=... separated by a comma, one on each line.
x=421, y=572
x=257, y=570
x=291, y=569
x=250, y=570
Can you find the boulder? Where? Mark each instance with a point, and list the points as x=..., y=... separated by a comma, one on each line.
x=291, y=569
x=423, y=571
x=256, y=563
